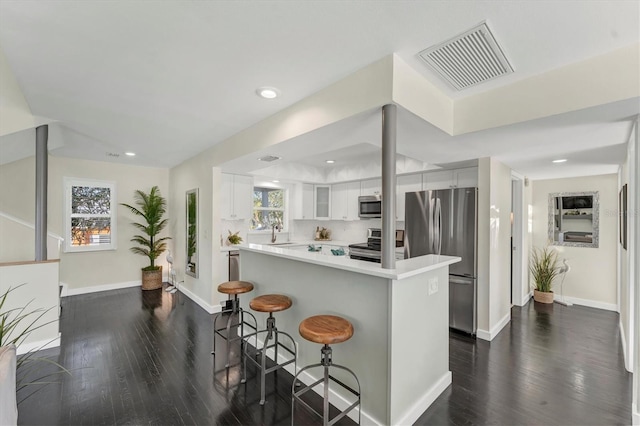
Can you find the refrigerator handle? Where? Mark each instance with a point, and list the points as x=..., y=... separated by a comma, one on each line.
x=431, y=232
x=438, y=220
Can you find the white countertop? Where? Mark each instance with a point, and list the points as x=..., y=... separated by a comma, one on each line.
x=404, y=268
x=344, y=244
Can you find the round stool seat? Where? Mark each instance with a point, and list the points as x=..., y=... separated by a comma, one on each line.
x=235, y=287
x=326, y=329
x=270, y=303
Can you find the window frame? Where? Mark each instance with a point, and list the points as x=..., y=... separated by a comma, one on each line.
x=284, y=209
x=68, y=215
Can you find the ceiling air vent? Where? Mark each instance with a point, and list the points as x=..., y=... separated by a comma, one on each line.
x=269, y=158
x=470, y=58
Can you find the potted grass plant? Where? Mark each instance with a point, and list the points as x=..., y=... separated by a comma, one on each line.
x=151, y=207
x=544, y=269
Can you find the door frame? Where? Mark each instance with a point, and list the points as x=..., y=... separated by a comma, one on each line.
x=520, y=294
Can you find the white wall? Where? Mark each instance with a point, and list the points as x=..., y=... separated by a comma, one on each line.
x=494, y=247
x=593, y=275
x=634, y=185
x=81, y=271
x=626, y=264
x=39, y=292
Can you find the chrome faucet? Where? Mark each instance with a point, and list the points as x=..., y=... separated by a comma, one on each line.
x=278, y=226
x=275, y=226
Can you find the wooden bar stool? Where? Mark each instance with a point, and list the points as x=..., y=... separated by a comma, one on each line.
x=270, y=303
x=233, y=310
x=326, y=330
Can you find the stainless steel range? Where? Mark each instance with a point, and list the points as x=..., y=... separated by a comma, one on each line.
x=371, y=250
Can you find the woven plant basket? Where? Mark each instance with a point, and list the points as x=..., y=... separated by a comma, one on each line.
x=152, y=280
x=542, y=296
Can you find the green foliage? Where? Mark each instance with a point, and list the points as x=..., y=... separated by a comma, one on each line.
x=151, y=207
x=234, y=238
x=13, y=331
x=544, y=268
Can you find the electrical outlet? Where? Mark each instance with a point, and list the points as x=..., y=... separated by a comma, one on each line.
x=433, y=285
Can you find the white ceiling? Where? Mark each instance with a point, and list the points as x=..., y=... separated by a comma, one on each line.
x=170, y=79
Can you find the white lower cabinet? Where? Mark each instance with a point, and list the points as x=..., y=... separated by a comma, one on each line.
x=344, y=201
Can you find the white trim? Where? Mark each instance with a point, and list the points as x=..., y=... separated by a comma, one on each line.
x=68, y=184
x=37, y=346
x=64, y=291
x=97, y=288
x=28, y=225
x=199, y=301
x=590, y=303
x=425, y=401
x=635, y=414
x=627, y=361
x=495, y=330
x=335, y=399
x=527, y=298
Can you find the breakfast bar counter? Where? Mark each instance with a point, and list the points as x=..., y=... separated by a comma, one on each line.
x=400, y=347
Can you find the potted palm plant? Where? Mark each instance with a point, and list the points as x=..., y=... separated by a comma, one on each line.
x=151, y=207
x=544, y=268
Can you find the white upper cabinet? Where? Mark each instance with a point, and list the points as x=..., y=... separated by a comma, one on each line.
x=445, y=179
x=371, y=187
x=322, y=201
x=344, y=201
x=235, y=200
x=303, y=202
x=404, y=184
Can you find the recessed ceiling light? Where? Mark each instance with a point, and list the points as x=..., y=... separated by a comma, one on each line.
x=275, y=181
x=130, y=154
x=268, y=92
x=561, y=160
x=330, y=161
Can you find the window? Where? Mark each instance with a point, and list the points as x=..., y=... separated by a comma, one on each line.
x=90, y=215
x=268, y=208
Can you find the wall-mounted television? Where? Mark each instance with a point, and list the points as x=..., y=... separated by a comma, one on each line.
x=577, y=202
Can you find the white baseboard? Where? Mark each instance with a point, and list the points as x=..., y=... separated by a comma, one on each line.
x=491, y=334
x=212, y=309
x=627, y=361
x=527, y=298
x=96, y=288
x=36, y=346
x=635, y=415
x=586, y=302
x=425, y=401
x=335, y=399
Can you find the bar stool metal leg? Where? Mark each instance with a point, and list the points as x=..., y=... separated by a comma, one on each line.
x=235, y=311
x=272, y=333
x=325, y=363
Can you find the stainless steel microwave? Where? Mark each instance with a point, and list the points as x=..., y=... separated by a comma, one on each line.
x=369, y=206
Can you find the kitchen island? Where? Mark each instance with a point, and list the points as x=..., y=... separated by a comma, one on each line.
x=400, y=348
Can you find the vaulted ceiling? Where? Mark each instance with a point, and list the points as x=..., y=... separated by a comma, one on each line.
x=169, y=79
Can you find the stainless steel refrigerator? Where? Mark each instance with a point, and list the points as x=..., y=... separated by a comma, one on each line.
x=445, y=222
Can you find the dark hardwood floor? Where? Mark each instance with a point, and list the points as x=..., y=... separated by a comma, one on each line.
x=552, y=365
x=144, y=358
